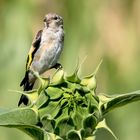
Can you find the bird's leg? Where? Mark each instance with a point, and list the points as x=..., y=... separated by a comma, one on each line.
x=57, y=66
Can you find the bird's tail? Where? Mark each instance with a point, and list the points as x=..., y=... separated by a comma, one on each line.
x=26, y=87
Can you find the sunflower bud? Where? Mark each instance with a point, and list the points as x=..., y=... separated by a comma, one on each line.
x=67, y=107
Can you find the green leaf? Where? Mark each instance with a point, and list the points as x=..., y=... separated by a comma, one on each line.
x=73, y=135
x=42, y=99
x=103, y=125
x=74, y=77
x=72, y=87
x=89, y=124
x=32, y=95
x=51, y=109
x=78, y=115
x=64, y=126
x=18, y=116
x=92, y=101
x=63, y=114
x=48, y=124
x=24, y=119
x=58, y=77
x=90, y=80
x=43, y=81
x=44, y=84
x=33, y=131
x=51, y=136
x=119, y=100
x=54, y=93
x=90, y=138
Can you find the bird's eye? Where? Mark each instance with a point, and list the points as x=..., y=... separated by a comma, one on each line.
x=55, y=18
x=44, y=20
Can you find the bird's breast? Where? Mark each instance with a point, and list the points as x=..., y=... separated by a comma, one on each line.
x=47, y=55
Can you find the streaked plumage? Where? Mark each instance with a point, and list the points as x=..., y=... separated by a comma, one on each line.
x=44, y=52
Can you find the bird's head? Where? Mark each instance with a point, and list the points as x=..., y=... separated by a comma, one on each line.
x=53, y=20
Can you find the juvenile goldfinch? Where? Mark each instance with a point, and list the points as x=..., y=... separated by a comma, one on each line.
x=44, y=52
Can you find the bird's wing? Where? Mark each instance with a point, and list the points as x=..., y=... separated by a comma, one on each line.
x=33, y=49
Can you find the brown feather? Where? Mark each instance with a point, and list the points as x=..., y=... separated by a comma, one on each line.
x=33, y=49
x=25, y=82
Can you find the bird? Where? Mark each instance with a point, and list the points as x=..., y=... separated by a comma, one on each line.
x=44, y=53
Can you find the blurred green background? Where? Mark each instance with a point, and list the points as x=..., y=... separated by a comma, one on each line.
x=108, y=29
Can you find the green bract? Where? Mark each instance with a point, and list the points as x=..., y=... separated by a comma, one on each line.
x=65, y=108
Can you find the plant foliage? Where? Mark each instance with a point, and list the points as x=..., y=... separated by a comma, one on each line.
x=65, y=108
